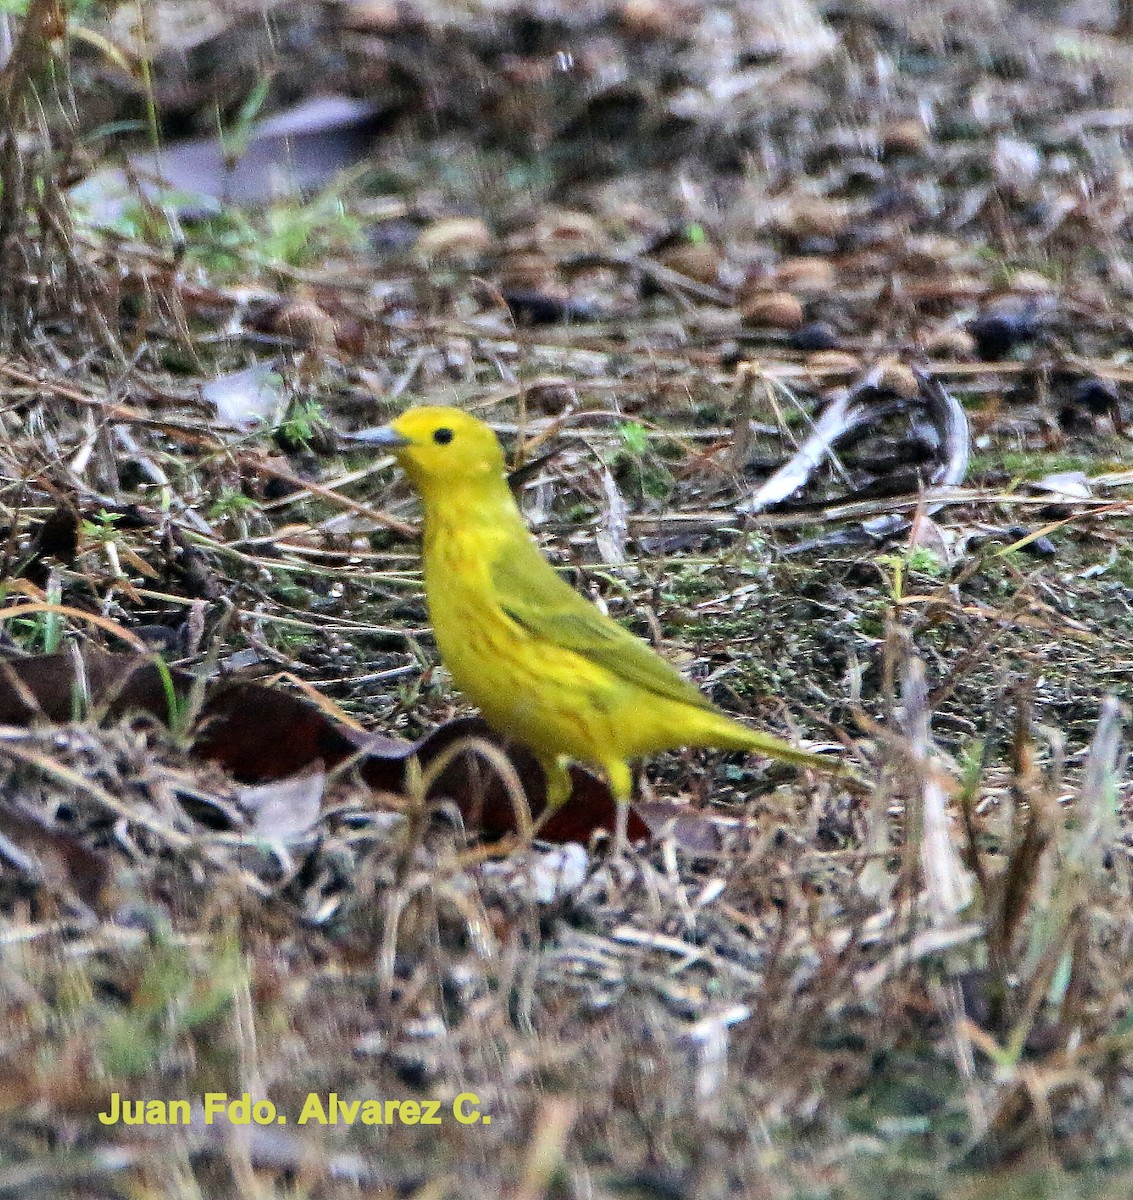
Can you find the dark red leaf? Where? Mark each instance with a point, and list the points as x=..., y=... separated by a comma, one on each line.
x=260, y=734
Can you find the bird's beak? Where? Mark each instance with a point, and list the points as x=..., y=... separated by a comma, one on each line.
x=382, y=435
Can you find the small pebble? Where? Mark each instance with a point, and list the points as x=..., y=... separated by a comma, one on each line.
x=998, y=333
x=814, y=335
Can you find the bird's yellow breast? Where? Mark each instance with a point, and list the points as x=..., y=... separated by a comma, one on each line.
x=549, y=698
x=543, y=666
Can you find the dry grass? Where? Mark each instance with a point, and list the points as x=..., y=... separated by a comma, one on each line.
x=798, y=991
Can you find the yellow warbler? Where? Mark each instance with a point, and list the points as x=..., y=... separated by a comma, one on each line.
x=543, y=664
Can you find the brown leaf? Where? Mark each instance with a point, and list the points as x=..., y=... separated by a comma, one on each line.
x=262, y=735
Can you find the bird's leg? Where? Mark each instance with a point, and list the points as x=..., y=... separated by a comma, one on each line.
x=621, y=830
x=559, y=785
x=558, y=789
x=620, y=779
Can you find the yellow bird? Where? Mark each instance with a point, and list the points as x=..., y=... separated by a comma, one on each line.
x=545, y=667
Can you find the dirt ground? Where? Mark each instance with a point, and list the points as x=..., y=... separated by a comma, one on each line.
x=807, y=331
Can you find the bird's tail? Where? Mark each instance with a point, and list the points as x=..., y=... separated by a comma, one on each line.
x=716, y=730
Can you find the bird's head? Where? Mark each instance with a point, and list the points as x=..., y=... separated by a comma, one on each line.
x=441, y=448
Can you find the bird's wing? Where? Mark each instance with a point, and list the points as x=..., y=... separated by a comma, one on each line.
x=534, y=597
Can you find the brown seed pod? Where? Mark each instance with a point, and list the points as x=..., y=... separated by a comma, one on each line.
x=371, y=16
x=565, y=232
x=350, y=335
x=816, y=216
x=526, y=269
x=772, y=310
x=831, y=361
x=950, y=343
x=896, y=377
x=929, y=253
x=1031, y=283
x=807, y=273
x=307, y=324
x=904, y=137
x=648, y=18
x=454, y=239
x=695, y=260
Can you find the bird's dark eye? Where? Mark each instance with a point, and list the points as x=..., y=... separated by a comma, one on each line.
x=442, y=436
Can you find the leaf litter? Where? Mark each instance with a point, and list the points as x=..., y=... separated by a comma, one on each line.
x=658, y=247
